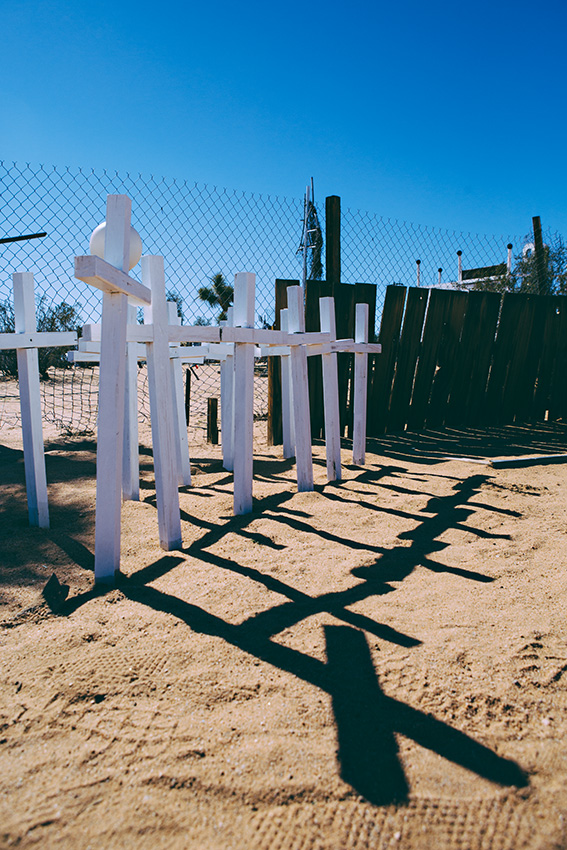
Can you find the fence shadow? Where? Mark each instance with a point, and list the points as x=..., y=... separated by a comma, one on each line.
x=435, y=446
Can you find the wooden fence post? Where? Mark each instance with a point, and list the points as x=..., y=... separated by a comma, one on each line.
x=540, y=264
x=333, y=241
x=212, y=420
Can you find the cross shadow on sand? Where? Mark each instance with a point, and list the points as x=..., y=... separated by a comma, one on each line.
x=367, y=721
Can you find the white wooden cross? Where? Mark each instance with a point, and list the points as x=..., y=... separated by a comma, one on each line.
x=89, y=352
x=292, y=342
x=111, y=276
x=328, y=349
x=26, y=340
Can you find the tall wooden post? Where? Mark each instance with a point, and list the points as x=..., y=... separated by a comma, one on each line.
x=541, y=271
x=333, y=241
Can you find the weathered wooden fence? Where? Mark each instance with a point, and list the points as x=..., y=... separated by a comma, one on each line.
x=450, y=358
x=468, y=358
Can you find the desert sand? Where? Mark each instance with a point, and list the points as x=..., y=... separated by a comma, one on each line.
x=381, y=663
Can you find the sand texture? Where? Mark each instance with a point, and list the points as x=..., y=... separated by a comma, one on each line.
x=381, y=663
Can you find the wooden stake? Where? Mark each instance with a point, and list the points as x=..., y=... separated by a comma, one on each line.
x=212, y=420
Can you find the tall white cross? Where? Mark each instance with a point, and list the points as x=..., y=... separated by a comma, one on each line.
x=111, y=276
x=26, y=340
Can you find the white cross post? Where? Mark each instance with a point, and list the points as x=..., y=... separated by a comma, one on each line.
x=300, y=391
x=360, y=386
x=243, y=399
x=161, y=407
x=227, y=399
x=26, y=340
x=288, y=425
x=111, y=275
x=331, y=392
x=131, y=456
x=182, y=443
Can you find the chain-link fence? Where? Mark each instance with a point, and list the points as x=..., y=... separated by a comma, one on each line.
x=201, y=231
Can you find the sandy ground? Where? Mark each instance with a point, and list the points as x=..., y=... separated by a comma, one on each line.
x=376, y=664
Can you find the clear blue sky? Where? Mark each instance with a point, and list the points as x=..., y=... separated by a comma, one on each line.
x=443, y=114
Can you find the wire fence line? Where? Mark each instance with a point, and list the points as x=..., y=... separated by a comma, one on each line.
x=202, y=230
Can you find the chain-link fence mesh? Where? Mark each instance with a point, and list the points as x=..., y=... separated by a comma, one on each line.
x=201, y=231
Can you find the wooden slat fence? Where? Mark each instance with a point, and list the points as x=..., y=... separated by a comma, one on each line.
x=449, y=358
x=468, y=358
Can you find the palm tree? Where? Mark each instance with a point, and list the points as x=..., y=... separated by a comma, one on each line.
x=220, y=294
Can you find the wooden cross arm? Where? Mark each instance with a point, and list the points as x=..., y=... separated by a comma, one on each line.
x=264, y=336
x=213, y=350
x=194, y=333
x=91, y=332
x=252, y=335
x=334, y=347
x=38, y=339
x=176, y=333
x=97, y=272
x=183, y=357
x=82, y=357
x=356, y=347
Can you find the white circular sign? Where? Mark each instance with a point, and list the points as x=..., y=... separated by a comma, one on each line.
x=96, y=244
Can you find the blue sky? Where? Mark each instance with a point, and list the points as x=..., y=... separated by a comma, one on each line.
x=443, y=114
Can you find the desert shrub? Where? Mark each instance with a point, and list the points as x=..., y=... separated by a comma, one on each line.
x=55, y=317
